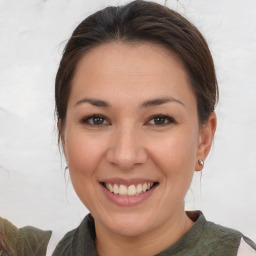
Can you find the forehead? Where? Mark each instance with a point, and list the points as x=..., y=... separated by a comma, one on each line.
x=130, y=72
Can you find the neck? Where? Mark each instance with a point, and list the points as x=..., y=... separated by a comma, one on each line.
x=148, y=243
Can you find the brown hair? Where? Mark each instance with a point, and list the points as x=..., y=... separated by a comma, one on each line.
x=141, y=21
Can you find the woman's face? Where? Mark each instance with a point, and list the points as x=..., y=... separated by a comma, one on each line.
x=132, y=128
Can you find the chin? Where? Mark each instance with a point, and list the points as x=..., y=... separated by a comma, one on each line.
x=129, y=225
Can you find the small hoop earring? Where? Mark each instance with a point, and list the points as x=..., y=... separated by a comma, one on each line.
x=201, y=162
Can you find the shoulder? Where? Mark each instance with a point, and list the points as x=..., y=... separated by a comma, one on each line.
x=67, y=243
x=225, y=241
x=22, y=241
x=216, y=232
x=207, y=238
x=79, y=241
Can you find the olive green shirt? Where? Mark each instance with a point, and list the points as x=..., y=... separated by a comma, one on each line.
x=204, y=238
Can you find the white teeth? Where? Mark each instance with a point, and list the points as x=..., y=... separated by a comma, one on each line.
x=144, y=187
x=123, y=190
x=131, y=190
x=116, y=189
x=139, y=189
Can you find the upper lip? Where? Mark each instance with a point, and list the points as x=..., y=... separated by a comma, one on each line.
x=127, y=182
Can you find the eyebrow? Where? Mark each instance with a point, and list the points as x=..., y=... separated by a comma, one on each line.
x=160, y=101
x=94, y=102
x=148, y=103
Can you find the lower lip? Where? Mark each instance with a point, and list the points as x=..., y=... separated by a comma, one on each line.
x=127, y=200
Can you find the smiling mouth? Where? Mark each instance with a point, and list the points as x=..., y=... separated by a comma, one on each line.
x=131, y=190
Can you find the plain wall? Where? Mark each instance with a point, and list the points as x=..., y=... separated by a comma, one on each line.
x=33, y=187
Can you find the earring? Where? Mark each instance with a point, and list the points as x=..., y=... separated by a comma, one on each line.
x=201, y=162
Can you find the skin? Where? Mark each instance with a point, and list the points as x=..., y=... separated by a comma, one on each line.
x=129, y=144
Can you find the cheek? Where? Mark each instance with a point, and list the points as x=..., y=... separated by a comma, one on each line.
x=83, y=153
x=175, y=156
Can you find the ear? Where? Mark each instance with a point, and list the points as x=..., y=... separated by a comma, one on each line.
x=205, y=139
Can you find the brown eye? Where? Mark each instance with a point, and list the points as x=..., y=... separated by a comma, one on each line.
x=95, y=120
x=161, y=120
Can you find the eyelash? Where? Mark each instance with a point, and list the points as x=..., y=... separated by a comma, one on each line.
x=91, y=117
x=169, y=120
x=165, y=117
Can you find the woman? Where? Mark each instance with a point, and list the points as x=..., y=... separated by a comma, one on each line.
x=135, y=97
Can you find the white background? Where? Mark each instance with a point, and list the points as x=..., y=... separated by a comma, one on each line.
x=33, y=187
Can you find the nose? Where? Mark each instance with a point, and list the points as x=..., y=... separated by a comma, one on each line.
x=126, y=148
